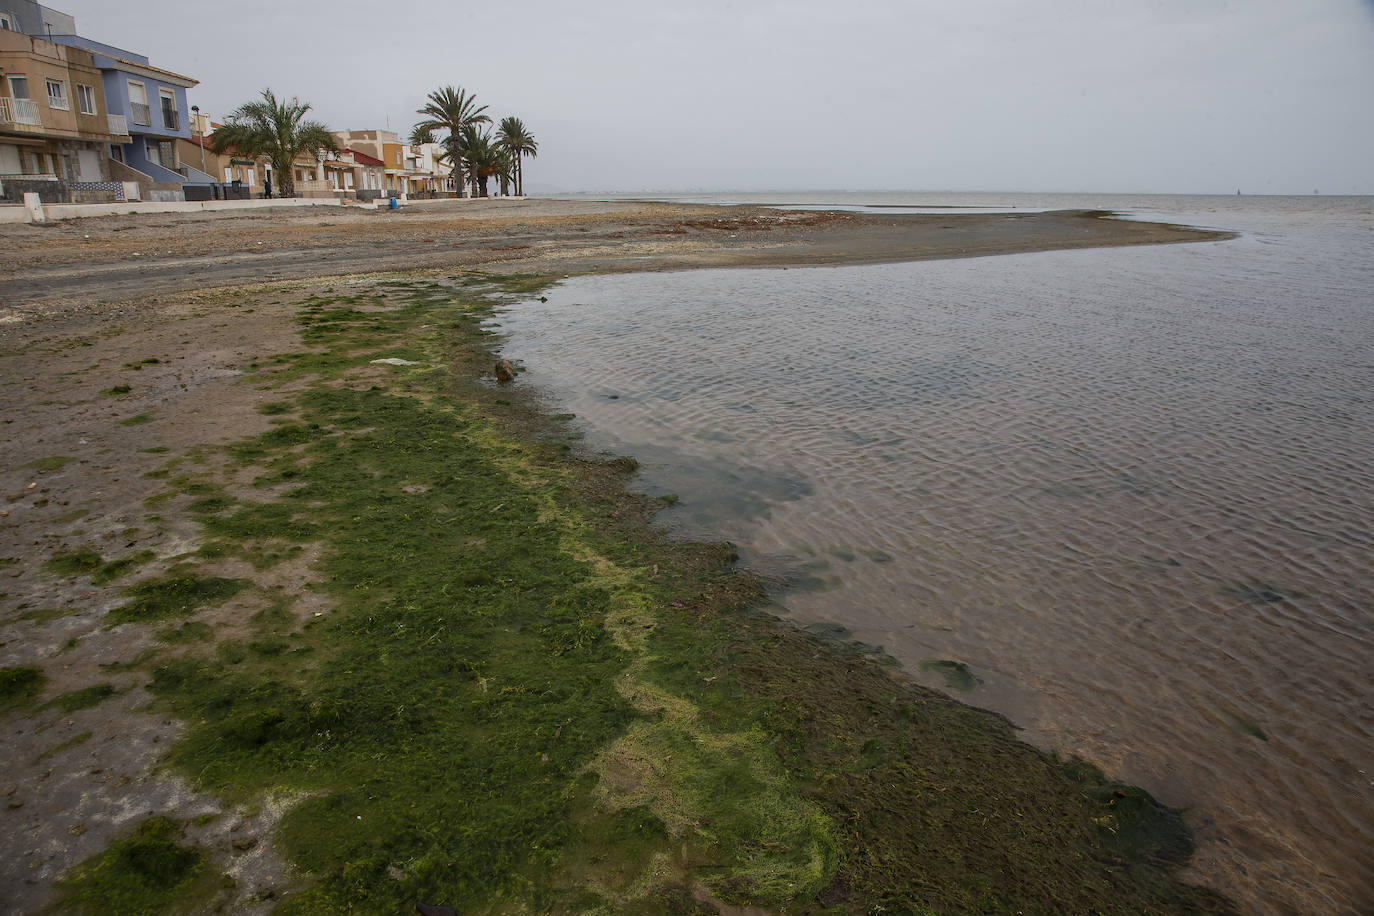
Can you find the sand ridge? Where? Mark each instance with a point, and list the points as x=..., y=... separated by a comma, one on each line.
x=114, y=258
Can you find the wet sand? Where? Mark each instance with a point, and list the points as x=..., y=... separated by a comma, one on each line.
x=109, y=259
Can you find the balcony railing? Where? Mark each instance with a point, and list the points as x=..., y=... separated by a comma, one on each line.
x=20, y=111
x=171, y=119
x=119, y=125
x=142, y=117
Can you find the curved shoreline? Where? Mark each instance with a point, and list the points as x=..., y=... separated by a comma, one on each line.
x=109, y=259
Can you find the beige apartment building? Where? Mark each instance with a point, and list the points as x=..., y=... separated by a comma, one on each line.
x=406, y=169
x=379, y=146
x=55, y=129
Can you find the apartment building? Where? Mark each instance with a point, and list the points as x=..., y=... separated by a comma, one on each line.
x=77, y=111
x=55, y=125
x=153, y=102
x=405, y=169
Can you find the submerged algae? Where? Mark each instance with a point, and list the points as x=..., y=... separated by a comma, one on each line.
x=522, y=697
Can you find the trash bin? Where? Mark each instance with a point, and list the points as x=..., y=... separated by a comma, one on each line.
x=394, y=205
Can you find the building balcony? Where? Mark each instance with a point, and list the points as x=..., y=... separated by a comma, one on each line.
x=119, y=125
x=141, y=115
x=20, y=113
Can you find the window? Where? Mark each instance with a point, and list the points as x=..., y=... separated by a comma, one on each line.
x=138, y=104
x=6, y=23
x=169, y=109
x=57, y=95
x=85, y=97
x=19, y=87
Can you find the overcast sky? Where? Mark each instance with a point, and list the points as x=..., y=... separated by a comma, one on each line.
x=1186, y=96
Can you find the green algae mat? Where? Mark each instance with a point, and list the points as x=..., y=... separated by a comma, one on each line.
x=470, y=674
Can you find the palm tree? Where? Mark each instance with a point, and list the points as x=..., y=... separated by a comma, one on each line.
x=481, y=157
x=519, y=143
x=506, y=169
x=277, y=129
x=451, y=109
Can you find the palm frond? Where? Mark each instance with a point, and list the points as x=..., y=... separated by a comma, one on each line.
x=449, y=109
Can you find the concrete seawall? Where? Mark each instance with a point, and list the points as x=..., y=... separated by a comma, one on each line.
x=45, y=212
x=21, y=214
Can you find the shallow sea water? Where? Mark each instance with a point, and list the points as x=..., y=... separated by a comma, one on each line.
x=1131, y=489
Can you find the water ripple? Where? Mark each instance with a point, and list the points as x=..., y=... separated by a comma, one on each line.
x=1131, y=489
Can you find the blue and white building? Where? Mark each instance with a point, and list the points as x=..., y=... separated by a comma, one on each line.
x=153, y=103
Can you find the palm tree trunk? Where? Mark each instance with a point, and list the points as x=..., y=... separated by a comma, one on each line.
x=286, y=179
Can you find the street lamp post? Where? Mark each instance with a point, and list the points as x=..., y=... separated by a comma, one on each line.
x=195, y=113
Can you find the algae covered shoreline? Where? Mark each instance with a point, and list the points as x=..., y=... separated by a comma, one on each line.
x=361, y=635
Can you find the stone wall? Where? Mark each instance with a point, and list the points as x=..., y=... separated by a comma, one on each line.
x=49, y=190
